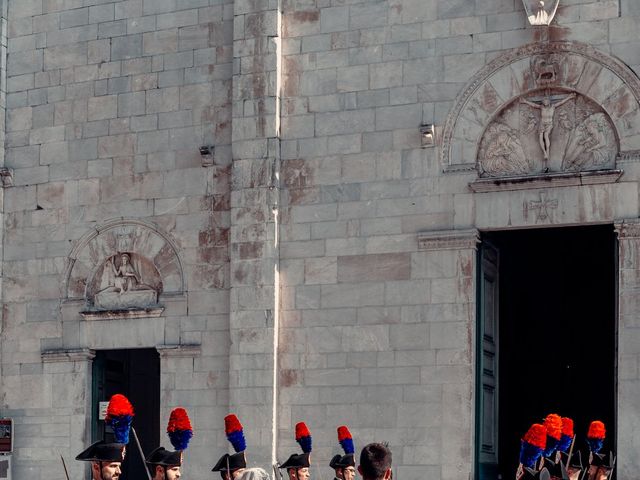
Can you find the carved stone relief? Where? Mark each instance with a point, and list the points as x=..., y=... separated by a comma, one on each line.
x=592, y=115
x=123, y=265
x=124, y=280
x=546, y=131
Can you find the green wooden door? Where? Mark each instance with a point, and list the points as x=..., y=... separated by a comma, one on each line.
x=487, y=364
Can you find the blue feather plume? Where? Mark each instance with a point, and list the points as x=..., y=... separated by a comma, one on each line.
x=119, y=417
x=121, y=426
x=347, y=446
x=565, y=443
x=595, y=444
x=529, y=454
x=237, y=441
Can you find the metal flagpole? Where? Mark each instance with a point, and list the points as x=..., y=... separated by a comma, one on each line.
x=135, y=437
x=573, y=441
x=66, y=473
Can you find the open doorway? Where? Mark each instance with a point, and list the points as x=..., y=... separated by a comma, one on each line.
x=135, y=374
x=549, y=307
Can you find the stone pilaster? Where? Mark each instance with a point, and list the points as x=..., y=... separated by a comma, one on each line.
x=254, y=213
x=628, y=428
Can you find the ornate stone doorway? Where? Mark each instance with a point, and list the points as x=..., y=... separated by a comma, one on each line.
x=547, y=336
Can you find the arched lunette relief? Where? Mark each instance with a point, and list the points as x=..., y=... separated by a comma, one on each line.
x=123, y=264
x=594, y=92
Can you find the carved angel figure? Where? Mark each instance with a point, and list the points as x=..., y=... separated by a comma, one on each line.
x=592, y=145
x=504, y=154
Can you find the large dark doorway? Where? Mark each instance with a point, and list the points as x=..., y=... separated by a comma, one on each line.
x=556, y=342
x=135, y=374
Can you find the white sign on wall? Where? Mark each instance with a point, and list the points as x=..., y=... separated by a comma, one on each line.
x=102, y=410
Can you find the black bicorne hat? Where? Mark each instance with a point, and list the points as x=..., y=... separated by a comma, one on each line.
x=335, y=461
x=576, y=459
x=162, y=456
x=236, y=461
x=604, y=461
x=103, y=452
x=529, y=474
x=297, y=461
x=556, y=470
x=348, y=460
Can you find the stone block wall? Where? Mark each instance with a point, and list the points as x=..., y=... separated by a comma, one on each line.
x=108, y=104
x=305, y=268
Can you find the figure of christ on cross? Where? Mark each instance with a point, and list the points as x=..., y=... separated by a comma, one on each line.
x=547, y=111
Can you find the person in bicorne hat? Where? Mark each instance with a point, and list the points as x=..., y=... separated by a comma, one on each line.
x=347, y=463
x=575, y=467
x=231, y=466
x=297, y=465
x=336, y=468
x=106, y=457
x=600, y=465
x=167, y=464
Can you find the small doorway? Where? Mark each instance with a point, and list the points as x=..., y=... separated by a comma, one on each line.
x=547, y=337
x=135, y=374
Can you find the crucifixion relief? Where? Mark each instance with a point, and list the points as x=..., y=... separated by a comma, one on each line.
x=547, y=111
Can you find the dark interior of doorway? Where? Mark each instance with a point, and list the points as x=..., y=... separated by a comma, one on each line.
x=135, y=374
x=557, y=332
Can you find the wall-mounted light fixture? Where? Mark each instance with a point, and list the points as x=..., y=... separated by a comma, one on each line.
x=428, y=135
x=206, y=153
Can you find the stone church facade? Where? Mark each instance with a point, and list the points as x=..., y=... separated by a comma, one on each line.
x=285, y=199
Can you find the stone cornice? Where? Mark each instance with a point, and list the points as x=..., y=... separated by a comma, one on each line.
x=68, y=355
x=170, y=351
x=448, y=240
x=549, y=180
x=627, y=228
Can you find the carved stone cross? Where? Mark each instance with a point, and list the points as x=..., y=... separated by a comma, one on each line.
x=541, y=206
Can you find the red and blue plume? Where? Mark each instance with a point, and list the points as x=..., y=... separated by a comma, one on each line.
x=119, y=417
x=235, y=434
x=303, y=437
x=553, y=424
x=179, y=429
x=567, y=435
x=532, y=445
x=345, y=439
x=595, y=436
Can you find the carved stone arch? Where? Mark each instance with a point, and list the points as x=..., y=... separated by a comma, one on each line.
x=566, y=66
x=137, y=239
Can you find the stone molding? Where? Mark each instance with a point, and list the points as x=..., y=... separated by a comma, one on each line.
x=627, y=228
x=68, y=355
x=511, y=74
x=128, y=314
x=448, y=240
x=526, y=182
x=173, y=351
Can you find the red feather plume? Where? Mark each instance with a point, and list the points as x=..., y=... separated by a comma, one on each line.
x=567, y=426
x=596, y=430
x=536, y=435
x=302, y=431
x=343, y=433
x=179, y=420
x=553, y=423
x=119, y=405
x=231, y=424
